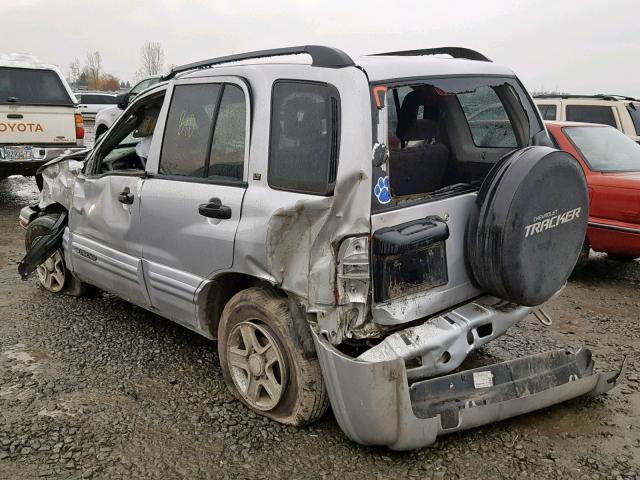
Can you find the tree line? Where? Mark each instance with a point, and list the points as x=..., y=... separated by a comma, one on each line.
x=92, y=75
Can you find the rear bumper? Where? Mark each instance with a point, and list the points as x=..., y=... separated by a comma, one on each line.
x=375, y=404
x=41, y=156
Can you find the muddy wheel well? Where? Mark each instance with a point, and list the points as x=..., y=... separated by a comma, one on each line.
x=218, y=292
x=53, y=208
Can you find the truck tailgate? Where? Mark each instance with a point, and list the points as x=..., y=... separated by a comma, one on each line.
x=37, y=125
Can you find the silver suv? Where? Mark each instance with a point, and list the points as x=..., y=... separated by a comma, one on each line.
x=349, y=230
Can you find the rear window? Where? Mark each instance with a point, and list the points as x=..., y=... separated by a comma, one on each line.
x=305, y=137
x=97, y=99
x=591, y=114
x=605, y=149
x=634, y=111
x=548, y=112
x=32, y=87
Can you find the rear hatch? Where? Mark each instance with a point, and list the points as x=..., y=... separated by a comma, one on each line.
x=443, y=136
x=35, y=108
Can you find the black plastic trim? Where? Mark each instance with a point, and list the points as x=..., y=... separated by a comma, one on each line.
x=327, y=57
x=455, y=52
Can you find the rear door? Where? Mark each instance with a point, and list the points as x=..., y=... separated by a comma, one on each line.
x=192, y=198
x=35, y=108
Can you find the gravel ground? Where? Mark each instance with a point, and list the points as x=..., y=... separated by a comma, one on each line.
x=98, y=388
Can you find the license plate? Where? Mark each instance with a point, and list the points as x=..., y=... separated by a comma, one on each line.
x=18, y=153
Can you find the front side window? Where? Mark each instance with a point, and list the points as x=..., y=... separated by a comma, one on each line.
x=548, y=112
x=305, y=136
x=488, y=120
x=605, y=149
x=22, y=86
x=591, y=114
x=188, y=130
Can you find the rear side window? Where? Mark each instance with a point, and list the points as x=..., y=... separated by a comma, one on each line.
x=634, y=111
x=488, y=120
x=305, y=137
x=591, y=114
x=548, y=112
x=226, y=161
x=32, y=87
x=188, y=131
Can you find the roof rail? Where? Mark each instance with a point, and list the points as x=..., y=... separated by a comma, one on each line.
x=321, y=56
x=455, y=52
x=599, y=96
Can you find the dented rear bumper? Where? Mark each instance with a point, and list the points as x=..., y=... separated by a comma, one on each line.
x=375, y=405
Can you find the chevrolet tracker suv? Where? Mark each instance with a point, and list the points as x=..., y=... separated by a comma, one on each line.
x=39, y=120
x=349, y=230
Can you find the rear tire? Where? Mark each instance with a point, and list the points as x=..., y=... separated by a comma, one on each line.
x=53, y=274
x=583, y=258
x=263, y=365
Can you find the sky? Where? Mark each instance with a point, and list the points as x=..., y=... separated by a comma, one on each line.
x=575, y=46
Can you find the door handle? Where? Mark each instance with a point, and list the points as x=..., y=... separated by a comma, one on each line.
x=125, y=196
x=214, y=209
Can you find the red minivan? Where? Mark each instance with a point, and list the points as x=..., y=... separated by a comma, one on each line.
x=611, y=163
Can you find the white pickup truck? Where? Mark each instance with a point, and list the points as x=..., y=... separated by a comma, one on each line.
x=39, y=119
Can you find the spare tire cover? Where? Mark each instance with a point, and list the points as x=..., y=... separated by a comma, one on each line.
x=528, y=225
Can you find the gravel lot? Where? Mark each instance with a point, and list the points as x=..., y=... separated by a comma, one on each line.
x=98, y=388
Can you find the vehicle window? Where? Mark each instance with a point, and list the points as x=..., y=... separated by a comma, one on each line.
x=36, y=87
x=305, y=136
x=98, y=99
x=605, y=149
x=188, y=130
x=227, y=151
x=140, y=86
x=127, y=147
x=444, y=137
x=488, y=120
x=591, y=114
x=548, y=112
x=634, y=111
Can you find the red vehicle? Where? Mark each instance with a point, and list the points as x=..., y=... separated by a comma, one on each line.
x=611, y=163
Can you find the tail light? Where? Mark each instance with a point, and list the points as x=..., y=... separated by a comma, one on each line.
x=353, y=271
x=79, y=127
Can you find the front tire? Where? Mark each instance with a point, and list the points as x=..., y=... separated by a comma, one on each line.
x=53, y=274
x=263, y=365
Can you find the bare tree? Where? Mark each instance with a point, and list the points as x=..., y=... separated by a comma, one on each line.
x=93, y=69
x=74, y=72
x=152, y=59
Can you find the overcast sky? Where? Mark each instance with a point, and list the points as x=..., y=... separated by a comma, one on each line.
x=578, y=46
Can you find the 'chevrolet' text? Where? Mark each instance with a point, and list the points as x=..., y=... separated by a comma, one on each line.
x=551, y=220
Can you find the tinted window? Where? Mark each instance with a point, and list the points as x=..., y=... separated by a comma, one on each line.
x=227, y=151
x=87, y=98
x=39, y=87
x=634, y=111
x=548, y=112
x=591, y=114
x=188, y=130
x=304, y=140
x=605, y=149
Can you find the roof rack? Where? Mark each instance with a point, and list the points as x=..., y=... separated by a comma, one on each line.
x=321, y=56
x=455, y=52
x=599, y=96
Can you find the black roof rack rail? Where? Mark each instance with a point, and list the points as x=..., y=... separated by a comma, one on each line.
x=321, y=56
x=455, y=52
x=599, y=96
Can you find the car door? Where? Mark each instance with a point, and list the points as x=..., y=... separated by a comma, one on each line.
x=104, y=223
x=192, y=197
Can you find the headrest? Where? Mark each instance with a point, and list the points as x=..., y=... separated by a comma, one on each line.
x=302, y=117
